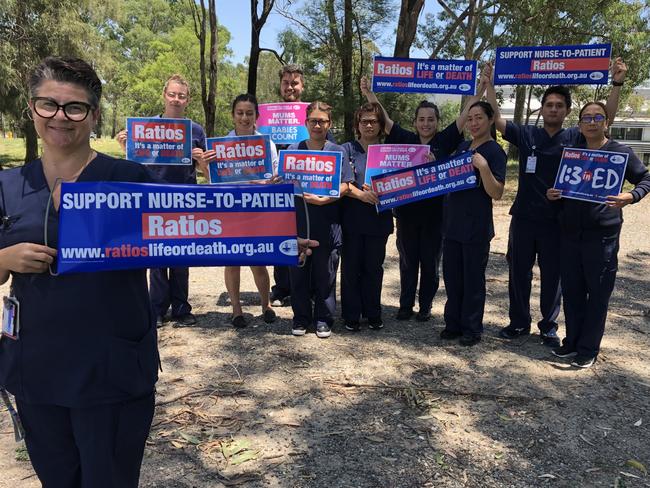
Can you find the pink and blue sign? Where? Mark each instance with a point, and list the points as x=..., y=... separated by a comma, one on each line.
x=242, y=158
x=283, y=122
x=316, y=172
x=383, y=158
x=153, y=140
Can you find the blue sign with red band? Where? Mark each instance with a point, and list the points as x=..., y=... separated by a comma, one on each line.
x=553, y=65
x=404, y=75
x=590, y=175
x=429, y=180
x=316, y=172
x=153, y=140
x=242, y=158
x=110, y=225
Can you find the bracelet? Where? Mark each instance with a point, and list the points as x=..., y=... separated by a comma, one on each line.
x=617, y=83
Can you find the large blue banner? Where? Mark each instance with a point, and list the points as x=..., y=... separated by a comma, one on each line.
x=242, y=158
x=429, y=180
x=316, y=172
x=590, y=175
x=153, y=140
x=553, y=65
x=424, y=76
x=110, y=225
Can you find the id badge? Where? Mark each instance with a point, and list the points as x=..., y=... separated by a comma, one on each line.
x=10, y=318
x=531, y=164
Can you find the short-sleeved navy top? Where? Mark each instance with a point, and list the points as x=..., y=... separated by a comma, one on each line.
x=86, y=338
x=578, y=217
x=175, y=173
x=324, y=220
x=359, y=217
x=531, y=202
x=443, y=144
x=468, y=213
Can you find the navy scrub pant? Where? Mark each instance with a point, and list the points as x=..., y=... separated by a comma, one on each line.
x=463, y=268
x=315, y=281
x=282, y=287
x=169, y=287
x=589, y=268
x=420, y=246
x=362, y=273
x=94, y=447
x=529, y=240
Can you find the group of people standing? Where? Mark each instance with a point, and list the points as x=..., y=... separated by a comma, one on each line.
x=84, y=360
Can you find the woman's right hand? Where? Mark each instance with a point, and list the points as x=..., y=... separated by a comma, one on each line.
x=27, y=257
x=121, y=139
x=364, y=86
x=552, y=194
x=202, y=159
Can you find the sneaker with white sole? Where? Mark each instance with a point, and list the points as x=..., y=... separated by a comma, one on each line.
x=564, y=352
x=323, y=330
x=298, y=330
x=583, y=362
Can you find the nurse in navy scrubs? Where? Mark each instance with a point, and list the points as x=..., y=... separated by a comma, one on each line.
x=85, y=362
x=468, y=229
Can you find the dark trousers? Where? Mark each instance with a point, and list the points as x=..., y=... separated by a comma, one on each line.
x=169, y=287
x=362, y=273
x=95, y=447
x=315, y=283
x=528, y=241
x=463, y=268
x=420, y=246
x=282, y=287
x=589, y=268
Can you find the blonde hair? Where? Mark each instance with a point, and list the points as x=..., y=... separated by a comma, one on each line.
x=176, y=78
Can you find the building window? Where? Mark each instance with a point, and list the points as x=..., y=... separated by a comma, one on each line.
x=646, y=159
x=626, y=134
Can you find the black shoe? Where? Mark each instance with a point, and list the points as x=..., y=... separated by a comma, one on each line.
x=448, y=335
x=583, y=362
x=269, y=316
x=564, y=352
x=404, y=314
x=511, y=332
x=550, y=338
x=323, y=330
x=160, y=321
x=187, y=319
x=280, y=301
x=470, y=340
x=375, y=324
x=239, y=322
x=423, y=316
x=298, y=330
x=352, y=325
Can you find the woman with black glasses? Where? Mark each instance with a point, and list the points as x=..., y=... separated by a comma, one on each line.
x=83, y=360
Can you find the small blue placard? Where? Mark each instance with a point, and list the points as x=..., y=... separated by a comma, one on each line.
x=316, y=172
x=153, y=140
x=240, y=158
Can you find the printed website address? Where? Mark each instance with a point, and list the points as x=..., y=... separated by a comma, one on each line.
x=412, y=84
x=160, y=249
x=440, y=188
x=543, y=76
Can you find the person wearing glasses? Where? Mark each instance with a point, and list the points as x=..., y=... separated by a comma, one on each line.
x=169, y=287
x=365, y=232
x=589, y=245
x=313, y=285
x=534, y=232
x=84, y=360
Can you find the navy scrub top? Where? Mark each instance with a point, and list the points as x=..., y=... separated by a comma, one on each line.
x=468, y=213
x=359, y=217
x=531, y=202
x=87, y=338
x=180, y=173
x=443, y=144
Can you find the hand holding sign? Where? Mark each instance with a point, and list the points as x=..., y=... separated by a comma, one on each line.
x=620, y=200
x=619, y=70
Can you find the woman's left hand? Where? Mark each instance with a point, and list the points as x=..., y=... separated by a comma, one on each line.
x=620, y=200
x=479, y=161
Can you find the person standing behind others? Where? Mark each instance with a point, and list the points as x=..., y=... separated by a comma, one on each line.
x=365, y=232
x=419, y=224
x=534, y=232
x=244, y=115
x=169, y=287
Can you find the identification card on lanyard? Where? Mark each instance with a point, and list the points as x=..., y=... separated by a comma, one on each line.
x=10, y=318
x=531, y=162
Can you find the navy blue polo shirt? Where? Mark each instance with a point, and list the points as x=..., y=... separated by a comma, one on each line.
x=359, y=217
x=86, y=338
x=177, y=173
x=531, y=202
x=468, y=213
x=443, y=144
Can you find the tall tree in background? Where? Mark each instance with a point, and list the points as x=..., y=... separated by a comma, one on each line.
x=257, y=22
x=407, y=26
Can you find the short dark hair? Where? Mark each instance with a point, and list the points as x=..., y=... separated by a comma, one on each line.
x=67, y=70
x=427, y=104
x=291, y=69
x=369, y=108
x=245, y=97
x=322, y=106
x=486, y=107
x=561, y=90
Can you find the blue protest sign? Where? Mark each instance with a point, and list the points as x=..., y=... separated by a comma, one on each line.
x=284, y=122
x=110, y=225
x=553, y=65
x=424, y=76
x=590, y=175
x=153, y=140
x=316, y=172
x=429, y=180
x=242, y=158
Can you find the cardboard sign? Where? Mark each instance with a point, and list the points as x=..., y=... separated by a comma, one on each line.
x=242, y=158
x=383, y=158
x=152, y=140
x=283, y=122
x=317, y=172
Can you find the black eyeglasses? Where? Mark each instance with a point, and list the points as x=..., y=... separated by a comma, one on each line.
x=588, y=119
x=48, y=108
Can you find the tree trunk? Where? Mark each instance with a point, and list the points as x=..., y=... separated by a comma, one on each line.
x=211, y=105
x=257, y=22
x=518, y=117
x=407, y=27
x=346, y=71
x=31, y=140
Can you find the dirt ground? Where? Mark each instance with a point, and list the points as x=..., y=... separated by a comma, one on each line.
x=397, y=407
